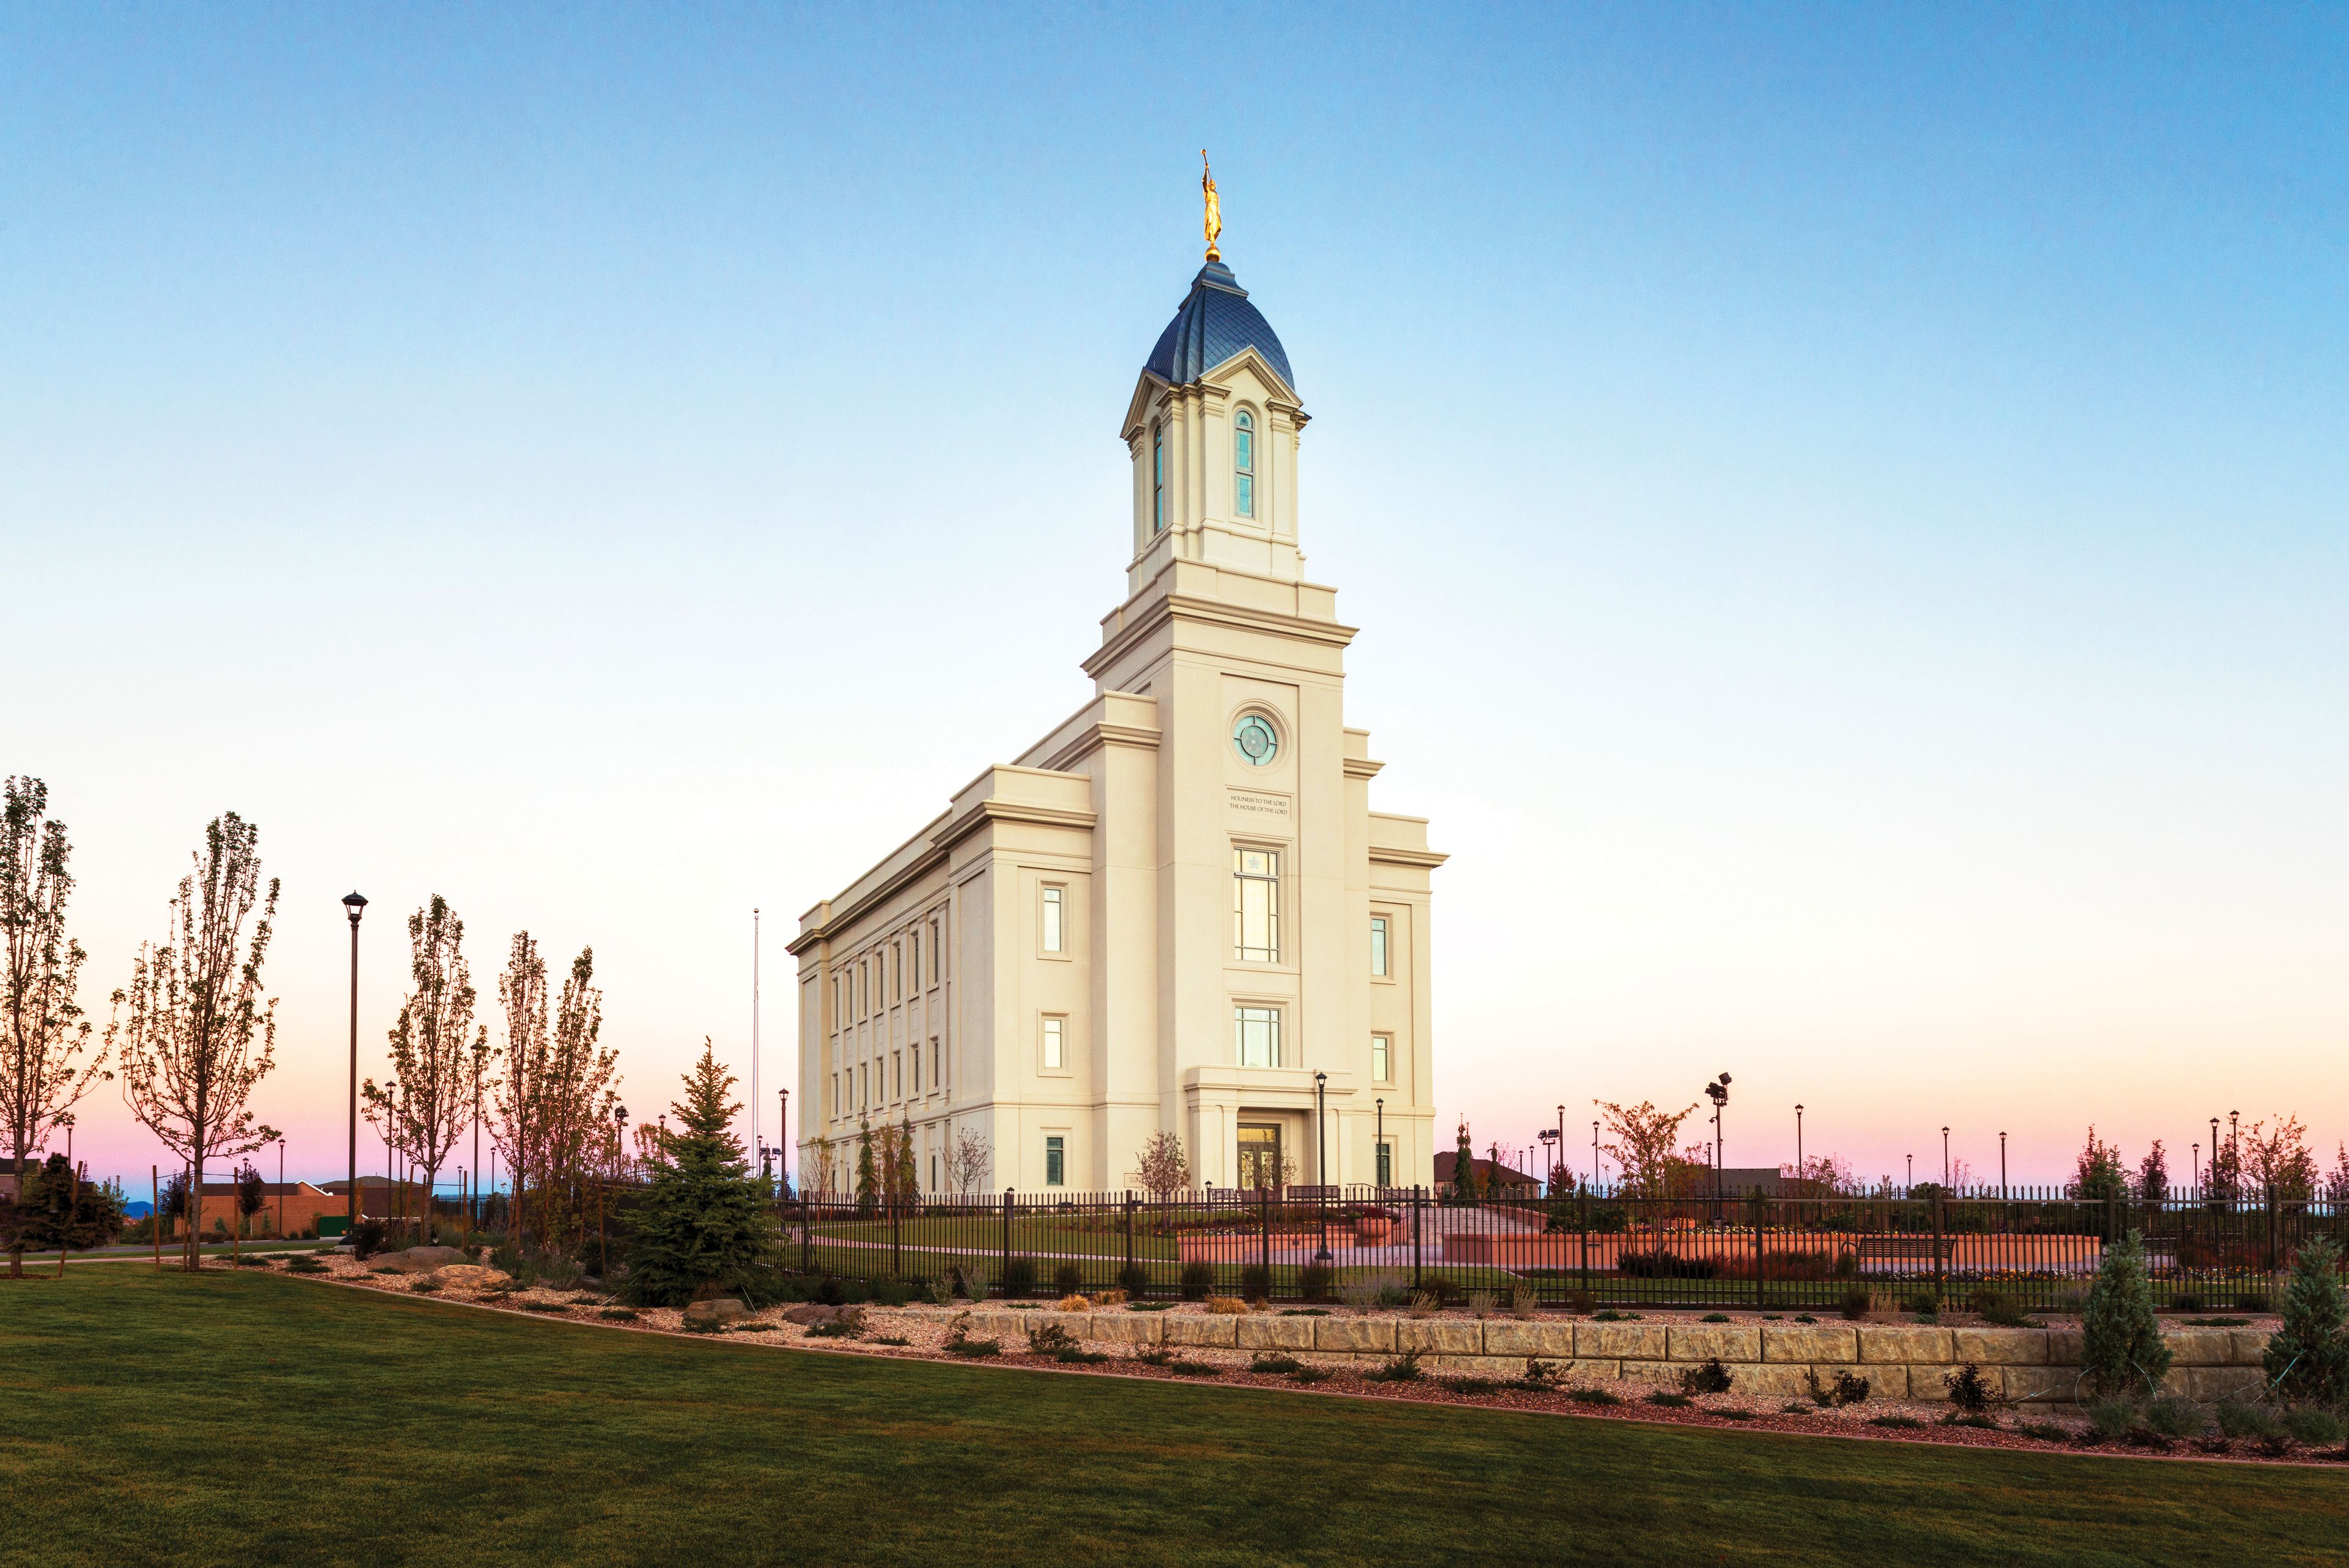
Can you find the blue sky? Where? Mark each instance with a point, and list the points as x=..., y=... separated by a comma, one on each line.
x=1846, y=507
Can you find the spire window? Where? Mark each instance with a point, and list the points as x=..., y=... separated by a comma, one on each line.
x=1157, y=479
x=1244, y=465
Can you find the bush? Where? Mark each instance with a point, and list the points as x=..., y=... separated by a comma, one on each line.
x=1898, y=1423
x=1711, y=1377
x=2173, y=1417
x=2239, y=1420
x=1924, y=1304
x=1311, y=1375
x=1662, y=1264
x=1404, y=1368
x=1971, y=1392
x=1715, y=1317
x=1666, y=1398
x=1068, y=1279
x=2121, y=1350
x=1996, y=1307
x=702, y=1221
x=1043, y=1338
x=366, y=1238
x=1198, y=1279
x=1844, y=1390
x=306, y=1266
x=1255, y=1282
x=1856, y=1303
x=1593, y=1397
x=1018, y=1274
x=1314, y=1281
x=2112, y=1419
x=2186, y=1301
x=2251, y=1301
x=1134, y=1279
x=618, y=1315
x=2312, y=1428
x=2308, y=1356
x=1272, y=1362
x=1581, y=1301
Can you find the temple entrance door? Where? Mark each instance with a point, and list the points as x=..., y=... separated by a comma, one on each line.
x=1260, y=1157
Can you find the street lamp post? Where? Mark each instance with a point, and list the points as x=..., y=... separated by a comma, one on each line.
x=1383, y=1168
x=356, y=906
x=1911, y=1188
x=1321, y=1162
x=1718, y=1092
x=281, y=1190
x=1801, y=1171
x=1561, y=1135
x=1945, y=1159
x=2002, y=1167
x=783, y=1132
x=1594, y=1154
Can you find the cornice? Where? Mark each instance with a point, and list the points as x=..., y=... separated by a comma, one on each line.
x=1392, y=857
x=1095, y=736
x=1219, y=612
x=985, y=812
x=1362, y=768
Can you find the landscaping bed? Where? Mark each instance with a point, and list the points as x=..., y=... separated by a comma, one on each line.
x=1157, y=1342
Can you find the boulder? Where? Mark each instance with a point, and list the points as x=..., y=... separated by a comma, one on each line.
x=715, y=1312
x=416, y=1260
x=475, y=1276
x=809, y=1316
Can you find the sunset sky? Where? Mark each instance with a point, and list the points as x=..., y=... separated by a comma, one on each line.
x=1847, y=509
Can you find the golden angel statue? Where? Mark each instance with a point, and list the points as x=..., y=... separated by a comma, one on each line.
x=1215, y=207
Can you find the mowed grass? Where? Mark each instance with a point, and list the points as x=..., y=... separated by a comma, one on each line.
x=254, y=1418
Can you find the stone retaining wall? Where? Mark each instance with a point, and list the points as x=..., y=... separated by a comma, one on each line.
x=1766, y=1360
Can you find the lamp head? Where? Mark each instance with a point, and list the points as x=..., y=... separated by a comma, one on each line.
x=354, y=905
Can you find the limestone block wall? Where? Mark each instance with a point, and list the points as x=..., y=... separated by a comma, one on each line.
x=1768, y=1360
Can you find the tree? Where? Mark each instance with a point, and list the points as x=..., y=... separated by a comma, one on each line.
x=252, y=1195
x=968, y=1158
x=1645, y=1139
x=2307, y=1358
x=516, y=1108
x=39, y=992
x=905, y=1182
x=1464, y=1188
x=868, y=1176
x=2121, y=1348
x=192, y=1031
x=2097, y=1174
x=1164, y=1168
x=2280, y=1165
x=1819, y=1176
x=701, y=1222
x=57, y=1207
x=424, y=1105
x=581, y=1137
x=2153, y=1175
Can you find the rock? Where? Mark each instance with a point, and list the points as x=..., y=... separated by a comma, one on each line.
x=416, y=1260
x=476, y=1275
x=809, y=1316
x=717, y=1311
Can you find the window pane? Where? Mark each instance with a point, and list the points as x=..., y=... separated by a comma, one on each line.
x=1051, y=919
x=1244, y=451
x=1258, y=1032
x=1255, y=904
x=1054, y=1042
x=1377, y=944
x=1243, y=495
x=1382, y=1058
x=1054, y=1159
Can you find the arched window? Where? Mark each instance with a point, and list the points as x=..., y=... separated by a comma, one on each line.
x=1157, y=479
x=1244, y=465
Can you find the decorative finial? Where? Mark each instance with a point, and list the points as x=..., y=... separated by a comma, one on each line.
x=1215, y=207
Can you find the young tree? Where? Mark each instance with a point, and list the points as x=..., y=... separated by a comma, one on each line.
x=252, y=1195
x=2307, y=1358
x=1164, y=1168
x=43, y=1030
x=868, y=1176
x=2121, y=1348
x=2278, y=1164
x=1464, y=1186
x=967, y=1160
x=1819, y=1176
x=580, y=1136
x=2153, y=1175
x=516, y=1099
x=906, y=1184
x=2098, y=1174
x=423, y=1106
x=194, y=1035
x=1645, y=1139
x=58, y=1208
x=701, y=1222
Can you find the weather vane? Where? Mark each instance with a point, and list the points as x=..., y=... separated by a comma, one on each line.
x=1215, y=207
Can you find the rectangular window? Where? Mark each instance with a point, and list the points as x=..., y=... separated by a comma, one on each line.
x=1379, y=945
x=1255, y=904
x=898, y=1074
x=1055, y=1162
x=1382, y=1058
x=913, y=956
x=1055, y=899
x=938, y=955
x=1157, y=480
x=1386, y=1166
x=934, y=1173
x=936, y=1082
x=917, y=1067
x=864, y=1083
x=1056, y=1044
x=1257, y=1029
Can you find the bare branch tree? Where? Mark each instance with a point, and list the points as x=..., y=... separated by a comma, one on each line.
x=1164, y=1168
x=40, y=992
x=517, y=1114
x=968, y=1158
x=424, y=1105
x=195, y=1033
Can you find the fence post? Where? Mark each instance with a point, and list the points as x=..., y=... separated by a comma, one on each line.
x=1937, y=1201
x=1007, y=1234
x=1128, y=1270
x=1586, y=1241
x=1263, y=1236
x=1760, y=1205
x=1418, y=1200
x=807, y=1231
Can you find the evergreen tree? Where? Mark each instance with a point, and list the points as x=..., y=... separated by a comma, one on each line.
x=868, y=1177
x=2122, y=1353
x=909, y=1180
x=1463, y=1169
x=2308, y=1358
x=701, y=1221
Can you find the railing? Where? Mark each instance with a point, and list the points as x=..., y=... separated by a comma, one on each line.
x=1587, y=1247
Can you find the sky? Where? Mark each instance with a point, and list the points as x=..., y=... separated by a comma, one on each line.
x=1847, y=509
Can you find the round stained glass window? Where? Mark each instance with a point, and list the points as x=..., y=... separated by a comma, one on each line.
x=1256, y=739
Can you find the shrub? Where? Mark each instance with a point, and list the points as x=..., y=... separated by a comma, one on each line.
x=1856, y=1303
x=1043, y=1338
x=2121, y=1348
x=1539, y=1374
x=366, y=1238
x=1018, y=1274
x=1134, y=1279
x=1715, y=1317
x=1311, y=1374
x=2173, y=1417
x=1522, y=1301
x=702, y=1220
x=2186, y=1301
x=1846, y=1389
x=619, y=1315
x=1198, y=1279
x=2251, y=1301
x=2308, y=1356
x=1593, y=1397
x=1314, y=1281
x=2110, y=1418
x=2312, y=1428
x=1899, y=1423
x=893, y=1339
x=1187, y=1368
x=1608, y=1314
x=1481, y=1302
x=1394, y=1294
x=1924, y=1304
x=250, y=1262
x=1664, y=1264
x=2237, y=1420
x=1072, y=1304
x=1973, y=1392
x=1255, y=1282
x=1665, y=1397
x=553, y=1306
x=1070, y=1355
x=1109, y=1298
x=1068, y=1279
x=1443, y=1288
x=1711, y=1377
x=2045, y=1431
x=1581, y=1301
x=1226, y=1306
x=1996, y=1307
x=421, y=1287
x=960, y=1341
x=1425, y=1303
x=1473, y=1386
x=1404, y=1368
x=1152, y=1356
x=1274, y=1362
x=306, y=1266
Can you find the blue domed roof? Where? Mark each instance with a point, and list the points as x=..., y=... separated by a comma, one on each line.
x=1215, y=322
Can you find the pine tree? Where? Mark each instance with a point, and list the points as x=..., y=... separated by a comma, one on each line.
x=701, y=1221
x=2308, y=1358
x=1463, y=1169
x=868, y=1178
x=2122, y=1352
x=909, y=1180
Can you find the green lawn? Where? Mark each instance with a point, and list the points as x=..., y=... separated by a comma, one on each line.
x=164, y=1419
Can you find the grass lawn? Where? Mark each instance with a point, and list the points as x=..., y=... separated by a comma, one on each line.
x=165, y=1419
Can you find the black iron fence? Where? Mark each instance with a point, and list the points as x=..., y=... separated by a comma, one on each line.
x=1587, y=1248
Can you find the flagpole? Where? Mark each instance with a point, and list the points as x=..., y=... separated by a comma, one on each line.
x=757, y=1142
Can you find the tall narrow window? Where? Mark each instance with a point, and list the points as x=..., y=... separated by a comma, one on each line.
x=938, y=955
x=1157, y=480
x=1379, y=945
x=1255, y=904
x=897, y=1074
x=937, y=1083
x=1056, y=1044
x=1244, y=465
x=1056, y=1169
x=1054, y=935
x=1257, y=1035
x=918, y=1067
x=1386, y=1166
x=914, y=952
x=1382, y=1058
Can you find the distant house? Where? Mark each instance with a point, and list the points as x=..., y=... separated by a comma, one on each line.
x=289, y=1208
x=1487, y=1172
